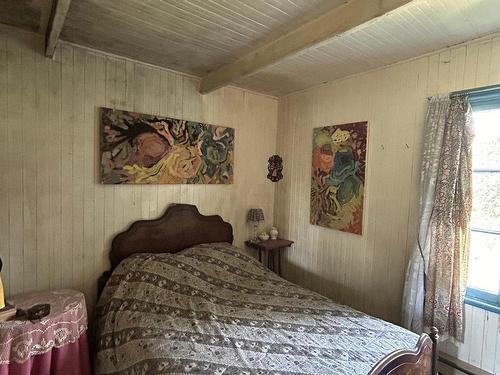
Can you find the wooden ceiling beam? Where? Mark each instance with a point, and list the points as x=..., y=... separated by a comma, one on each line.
x=57, y=17
x=343, y=18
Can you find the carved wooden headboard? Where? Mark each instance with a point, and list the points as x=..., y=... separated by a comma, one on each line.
x=180, y=227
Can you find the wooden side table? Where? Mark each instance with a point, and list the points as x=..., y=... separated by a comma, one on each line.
x=270, y=247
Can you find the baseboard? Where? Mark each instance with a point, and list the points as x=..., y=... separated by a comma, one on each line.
x=449, y=365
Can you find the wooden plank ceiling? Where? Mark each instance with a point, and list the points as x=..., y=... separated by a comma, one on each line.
x=416, y=29
x=191, y=36
x=199, y=37
x=31, y=15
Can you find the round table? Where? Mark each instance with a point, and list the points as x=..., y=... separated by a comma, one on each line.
x=55, y=344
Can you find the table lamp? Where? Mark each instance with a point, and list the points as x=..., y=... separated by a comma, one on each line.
x=254, y=217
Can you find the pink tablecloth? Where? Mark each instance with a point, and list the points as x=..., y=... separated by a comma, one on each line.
x=55, y=345
x=71, y=359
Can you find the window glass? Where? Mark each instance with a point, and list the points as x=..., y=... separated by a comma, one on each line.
x=486, y=148
x=484, y=262
x=484, y=259
x=486, y=201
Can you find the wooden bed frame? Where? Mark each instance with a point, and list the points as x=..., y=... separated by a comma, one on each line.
x=182, y=226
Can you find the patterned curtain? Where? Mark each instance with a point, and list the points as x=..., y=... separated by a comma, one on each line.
x=436, y=279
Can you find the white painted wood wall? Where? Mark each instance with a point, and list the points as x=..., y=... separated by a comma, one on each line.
x=481, y=346
x=367, y=272
x=56, y=220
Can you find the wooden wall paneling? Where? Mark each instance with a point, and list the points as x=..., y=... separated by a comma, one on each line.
x=406, y=146
x=497, y=348
x=472, y=56
x=55, y=170
x=133, y=83
x=4, y=162
x=130, y=211
x=495, y=56
x=41, y=125
x=377, y=156
x=393, y=100
x=463, y=350
x=381, y=151
x=58, y=218
x=109, y=206
x=101, y=242
x=258, y=110
x=78, y=124
x=29, y=151
x=457, y=67
x=89, y=180
x=14, y=171
x=433, y=75
x=366, y=244
x=476, y=336
x=316, y=119
x=489, y=342
x=444, y=72
x=299, y=269
x=119, y=203
x=67, y=166
x=139, y=106
x=282, y=203
x=239, y=99
x=421, y=73
x=484, y=63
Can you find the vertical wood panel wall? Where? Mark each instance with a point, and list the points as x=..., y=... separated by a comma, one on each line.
x=56, y=220
x=367, y=272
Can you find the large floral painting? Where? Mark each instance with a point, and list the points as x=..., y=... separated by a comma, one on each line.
x=146, y=149
x=338, y=176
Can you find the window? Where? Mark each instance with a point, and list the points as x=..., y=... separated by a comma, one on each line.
x=484, y=262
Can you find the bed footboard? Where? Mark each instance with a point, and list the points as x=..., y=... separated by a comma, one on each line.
x=419, y=361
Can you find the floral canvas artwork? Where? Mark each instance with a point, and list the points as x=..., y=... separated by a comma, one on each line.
x=145, y=149
x=338, y=176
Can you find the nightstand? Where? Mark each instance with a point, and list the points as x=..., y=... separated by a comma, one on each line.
x=269, y=248
x=55, y=344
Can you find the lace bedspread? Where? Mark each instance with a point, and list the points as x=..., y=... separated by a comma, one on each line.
x=211, y=309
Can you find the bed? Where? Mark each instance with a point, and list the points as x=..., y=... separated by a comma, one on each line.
x=180, y=298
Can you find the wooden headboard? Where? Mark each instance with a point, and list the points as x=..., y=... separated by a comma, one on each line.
x=180, y=227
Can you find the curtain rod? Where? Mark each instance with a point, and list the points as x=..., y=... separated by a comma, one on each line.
x=472, y=90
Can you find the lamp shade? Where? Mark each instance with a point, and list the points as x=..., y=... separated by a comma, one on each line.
x=255, y=215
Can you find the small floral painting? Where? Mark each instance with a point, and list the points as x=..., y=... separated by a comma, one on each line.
x=146, y=149
x=338, y=176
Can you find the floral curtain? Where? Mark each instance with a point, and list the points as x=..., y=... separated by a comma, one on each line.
x=437, y=273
